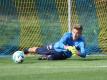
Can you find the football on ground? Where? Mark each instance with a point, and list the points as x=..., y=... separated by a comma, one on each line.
x=18, y=56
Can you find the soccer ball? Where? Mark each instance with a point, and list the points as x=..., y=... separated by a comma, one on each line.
x=18, y=56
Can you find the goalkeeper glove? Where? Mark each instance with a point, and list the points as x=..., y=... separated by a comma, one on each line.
x=73, y=50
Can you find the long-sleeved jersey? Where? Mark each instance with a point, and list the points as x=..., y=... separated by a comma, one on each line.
x=67, y=40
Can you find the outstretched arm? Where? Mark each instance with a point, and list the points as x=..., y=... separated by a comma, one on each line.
x=82, y=52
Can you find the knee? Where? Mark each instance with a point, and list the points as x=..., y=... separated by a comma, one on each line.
x=33, y=49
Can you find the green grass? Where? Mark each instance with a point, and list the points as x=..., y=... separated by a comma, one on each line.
x=91, y=68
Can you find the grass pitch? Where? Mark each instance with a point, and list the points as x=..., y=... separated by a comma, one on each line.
x=75, y=68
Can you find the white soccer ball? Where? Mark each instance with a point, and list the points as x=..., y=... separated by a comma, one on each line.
x=18, y=56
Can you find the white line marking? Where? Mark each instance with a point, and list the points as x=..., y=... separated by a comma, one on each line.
x=65, y=67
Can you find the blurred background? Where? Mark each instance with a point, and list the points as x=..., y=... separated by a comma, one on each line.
x=28, y=23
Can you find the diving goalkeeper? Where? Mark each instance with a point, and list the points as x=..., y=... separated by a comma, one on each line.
x=71, y=44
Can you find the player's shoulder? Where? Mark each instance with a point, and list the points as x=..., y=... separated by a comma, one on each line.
x=68, y=33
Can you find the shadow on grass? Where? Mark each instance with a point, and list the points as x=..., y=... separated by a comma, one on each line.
x=90, y=58
x=34, y=59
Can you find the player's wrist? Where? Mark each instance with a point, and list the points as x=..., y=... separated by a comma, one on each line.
x=65, y=47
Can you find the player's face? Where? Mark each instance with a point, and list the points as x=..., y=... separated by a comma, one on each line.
x=76, y=34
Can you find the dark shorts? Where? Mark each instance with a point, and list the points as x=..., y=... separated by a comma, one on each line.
x=49, y=50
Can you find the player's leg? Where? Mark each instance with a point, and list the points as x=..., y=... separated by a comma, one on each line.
x=47, y=52
x=57, y=56
x=54, y=56
x=30, y=50
x=39, y=50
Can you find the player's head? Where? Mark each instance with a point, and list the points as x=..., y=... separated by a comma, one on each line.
x=76, y=31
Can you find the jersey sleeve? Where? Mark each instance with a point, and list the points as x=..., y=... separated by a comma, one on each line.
x=82, y=49
x=62, y=42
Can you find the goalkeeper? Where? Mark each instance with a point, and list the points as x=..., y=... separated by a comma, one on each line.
x=71, y=44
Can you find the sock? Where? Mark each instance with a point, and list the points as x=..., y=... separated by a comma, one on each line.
x=26, y=51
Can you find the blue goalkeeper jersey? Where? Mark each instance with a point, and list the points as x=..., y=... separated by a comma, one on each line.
x=67, y=40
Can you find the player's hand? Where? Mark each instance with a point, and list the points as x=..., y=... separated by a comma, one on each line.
x=73, y=50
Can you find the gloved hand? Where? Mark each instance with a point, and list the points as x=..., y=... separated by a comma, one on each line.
x=73, y=50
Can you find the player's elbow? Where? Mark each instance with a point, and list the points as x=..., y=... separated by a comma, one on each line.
x=82, y=54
